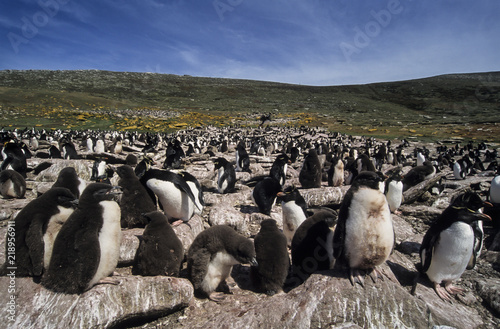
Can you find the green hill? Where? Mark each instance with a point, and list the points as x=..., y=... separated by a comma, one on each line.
x=457, y=105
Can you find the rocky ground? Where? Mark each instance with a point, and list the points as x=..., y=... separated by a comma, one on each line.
x=324, y=300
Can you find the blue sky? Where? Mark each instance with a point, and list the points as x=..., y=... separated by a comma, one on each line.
x=313, y=42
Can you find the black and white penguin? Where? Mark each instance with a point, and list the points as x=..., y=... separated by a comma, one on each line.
x=494, y=193
x=135, y=199
x=69, y=179
x=226, y=175
x=14, y=158
x=272, y=257
x=336, y=172
x=242, y=158
x=279, y=168
x=69, y=151
x=54, y=152
x=418, y=174
x=312, y=248
x=143, y=166
x=99, y=173
x=160, y=251
x=450, y=245
x=196, y=189
x=264, y=194
x=394, y=191
x=294, y=209
x=87, y=248
x=173, y=193
x=310, y=175
x=212, y=256
x=364, y=237
x=36, y=227
x=12, y=184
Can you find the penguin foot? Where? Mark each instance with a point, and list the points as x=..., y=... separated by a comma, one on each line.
x=216, y=296
x=441, y=292
x=453, y=290
x=375, y=274
x=108, y=280
x=177, y=222
x=356, y=277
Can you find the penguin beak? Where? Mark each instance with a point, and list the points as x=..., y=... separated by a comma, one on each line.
x=253, y=262
x=116, y=192
x=280, y=194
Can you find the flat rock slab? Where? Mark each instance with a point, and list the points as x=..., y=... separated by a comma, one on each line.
x=103, y=306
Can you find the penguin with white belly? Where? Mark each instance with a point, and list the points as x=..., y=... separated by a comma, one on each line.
x=364, y=236
x=173, y=192
x=211, y=257
x=226, y=175
x=87, y=248
x=450, y=244
x=394, y=191
x=12, y=184
x=69, y=179
x=36, y=227
x=294, y=209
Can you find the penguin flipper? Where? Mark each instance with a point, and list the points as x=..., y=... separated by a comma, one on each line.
x=34, y=240
x=182, y=186
x=427, y=248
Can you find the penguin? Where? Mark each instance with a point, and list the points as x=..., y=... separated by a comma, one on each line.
x=87, y=248
x=242, y=158
x=196, y=189
x=117, y=146
x=294, y=154
x=226, y=175
x=420, y=159
x=135, y=199
x=448, y=247
x=294, y=209
x=312, y=248
x=211, y=257
x=99, y=146
x=336, y=172
x=310, y=175
x=173, y=193
x=99, y=173
x=272, y=257
x=69, y=151
x=364, y=236
x=364, y=163
x=36, y=227
x=14, y=158
x=494, y=193
x=160, y=251
x=69, y=179
x=143, y=166
x=54, y=152
x=418, y=174
x=12, y=184
x=279, y=168
x=394, y=191
x=264, y=194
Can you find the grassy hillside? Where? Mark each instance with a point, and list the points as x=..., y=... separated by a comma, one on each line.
x=460, y=105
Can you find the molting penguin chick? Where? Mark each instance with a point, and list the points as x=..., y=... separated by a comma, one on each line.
x=312, y=244
x=310, y=175
x=160, y=251
x=12, y=184
x=272, y=257
x=69, y=179
x=364, y=236
x=264, y=194
x=14, y=158
x=87, y=248
x=226, y=175
x=135, y=199
x=36, y=227
x=294, y=210
x=212, y=256
x=448, y=245
x=336, y=172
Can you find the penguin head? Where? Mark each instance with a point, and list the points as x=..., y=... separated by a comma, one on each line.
x=155, y=216
x=244, y=252
x=62, y=196
x=468, y=207
x=368, y=179
x=219, y=162
x=283, y=158
x=125, y=171
x=97, y=192
x=289, y=194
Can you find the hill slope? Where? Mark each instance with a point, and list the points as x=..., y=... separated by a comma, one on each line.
x=438, y=107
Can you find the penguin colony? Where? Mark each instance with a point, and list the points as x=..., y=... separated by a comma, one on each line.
x=69, y=237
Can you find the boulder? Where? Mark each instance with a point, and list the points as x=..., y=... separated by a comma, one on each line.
x=103, y=306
